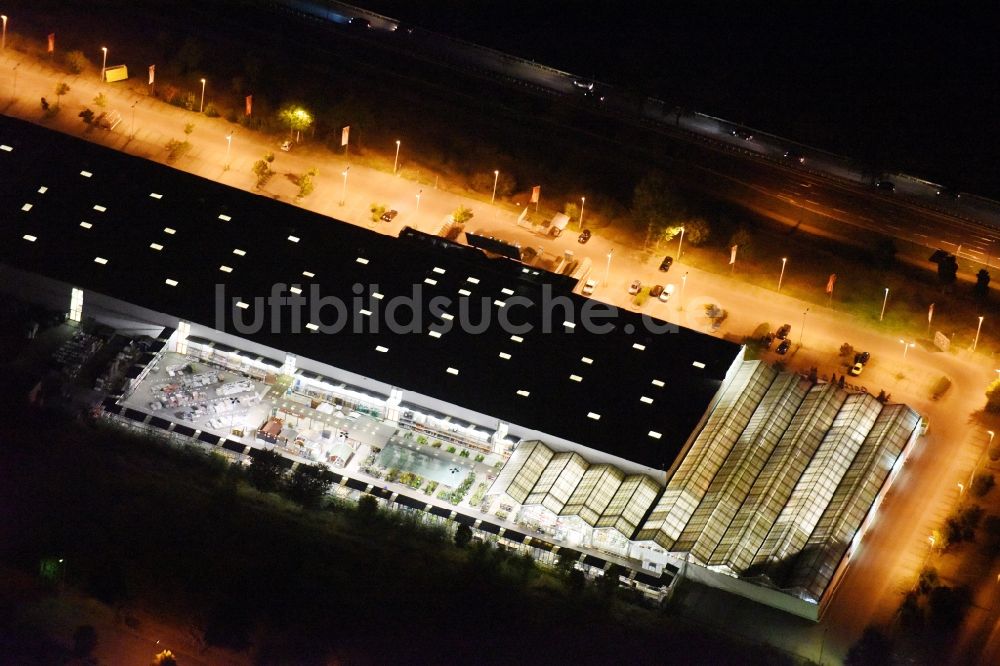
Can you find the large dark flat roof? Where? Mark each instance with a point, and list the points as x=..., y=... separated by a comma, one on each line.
x=128, y=203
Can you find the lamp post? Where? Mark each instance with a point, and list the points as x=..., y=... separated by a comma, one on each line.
x=395, y=162
x=802, y=330
x=104, y=61
x=680, y=244
x=906, y=347
x=201, y=107
x=583, y=203
x=131, y=133
x=418, y=202
x=975, y=342
x=980, y=458
x=885, y=300
x=684, y=281
x=781, y=277
x=343, y=196
x=229, y=147
x=496, y=179
x=4, y=17
x=607, y=271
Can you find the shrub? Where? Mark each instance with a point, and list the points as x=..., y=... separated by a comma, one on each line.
x=76, y=62
x=982, y=484
x=87, y=115
x=451, y=449
x=211, y=111
x=480, y=457
x=176, y=149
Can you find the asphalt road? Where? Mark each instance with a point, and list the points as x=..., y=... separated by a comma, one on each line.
x=925, y=491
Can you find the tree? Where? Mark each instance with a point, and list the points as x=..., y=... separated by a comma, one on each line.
x=462, y=215
x=309, y=484
x=377, y=211
x=483, y=182
x=61, y=89
x=101, y=100
x=948, y=270
x=696, y=230
x=741, y=237
x=306, y=185
x=262, y=170
x=367, y=508
x=266, y=470
x=463, y=535
x=576, y=580
x=993, y=397
x=608, y=583
x=76, y=62
x=84, y=641
x=189, y=55
x=982, y=484
x=567, y=561
x=571, y=210
x=87, y=115
x=188, y=128
x=947, y=605
x=873, y=649
x=654, y=204
x=298, y=120
x=982, y=287
x=165, y=658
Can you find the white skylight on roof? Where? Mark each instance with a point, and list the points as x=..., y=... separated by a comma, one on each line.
x=516, y=338
x=295, y=290
x=507, y=292
x=505, y=356
x=86, y=174
x=43, y=189
x=381, y=349
x=4, y=147
x=365, y=313
x=654, y=434
x=439, y=271
x=242, y=306
x=452, y=371
x=312, y=327
x=648, y=401
x=168, y=230
x=172, y=282
x=99, y=208
x=472, y=280
x=569, y=324
x=100, y=260
x=156, y=246
x=224, y=217
x=576, y=378
x=86, y=225
x=698, y=364
x=361, y=260
x=465, y=292
x=594, y=415
x=308, y=274
x=430, y=281
x=377, y=296
x=29, y=238
x=587, y=360
x=499, y=303
x=239, y=253
x=225, y=269
x=294, y=239
x=156, y=195
x=524, y=270
x=434, y=334
x=636, y=345
x=523, y=393
x=446, y=316
x=658, y=382
x=26, y=207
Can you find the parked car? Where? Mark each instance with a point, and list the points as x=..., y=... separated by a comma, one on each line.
x=862, y=357
x=948, y=192
x=784, y=346
x=783, y=332
x=584, y=236
x=741, y=133
x=588, y=287
x=286, y=145
x=886, y=185
x=666, y=264
x=388, y=215
x=634, y=287
x=665, y=294
x=856, y=370
x=655, y=291
x=795, y=155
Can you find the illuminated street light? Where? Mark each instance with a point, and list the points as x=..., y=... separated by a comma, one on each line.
x=4, y=17
x=781, y=277
x=680, y=244
x=961, y=488
x=607, y=272
x=104, y=61
x=131, y=133
x=906, y=347
x=229, y=147
x=583, y=203
x=802, y=330
x=343, y=196
x=496, y=179
x=978, y=329
x=979, y=460
x=418, y=202
x=201, y=107
x=884, y=301
x=684, y=281
x=395, y=163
